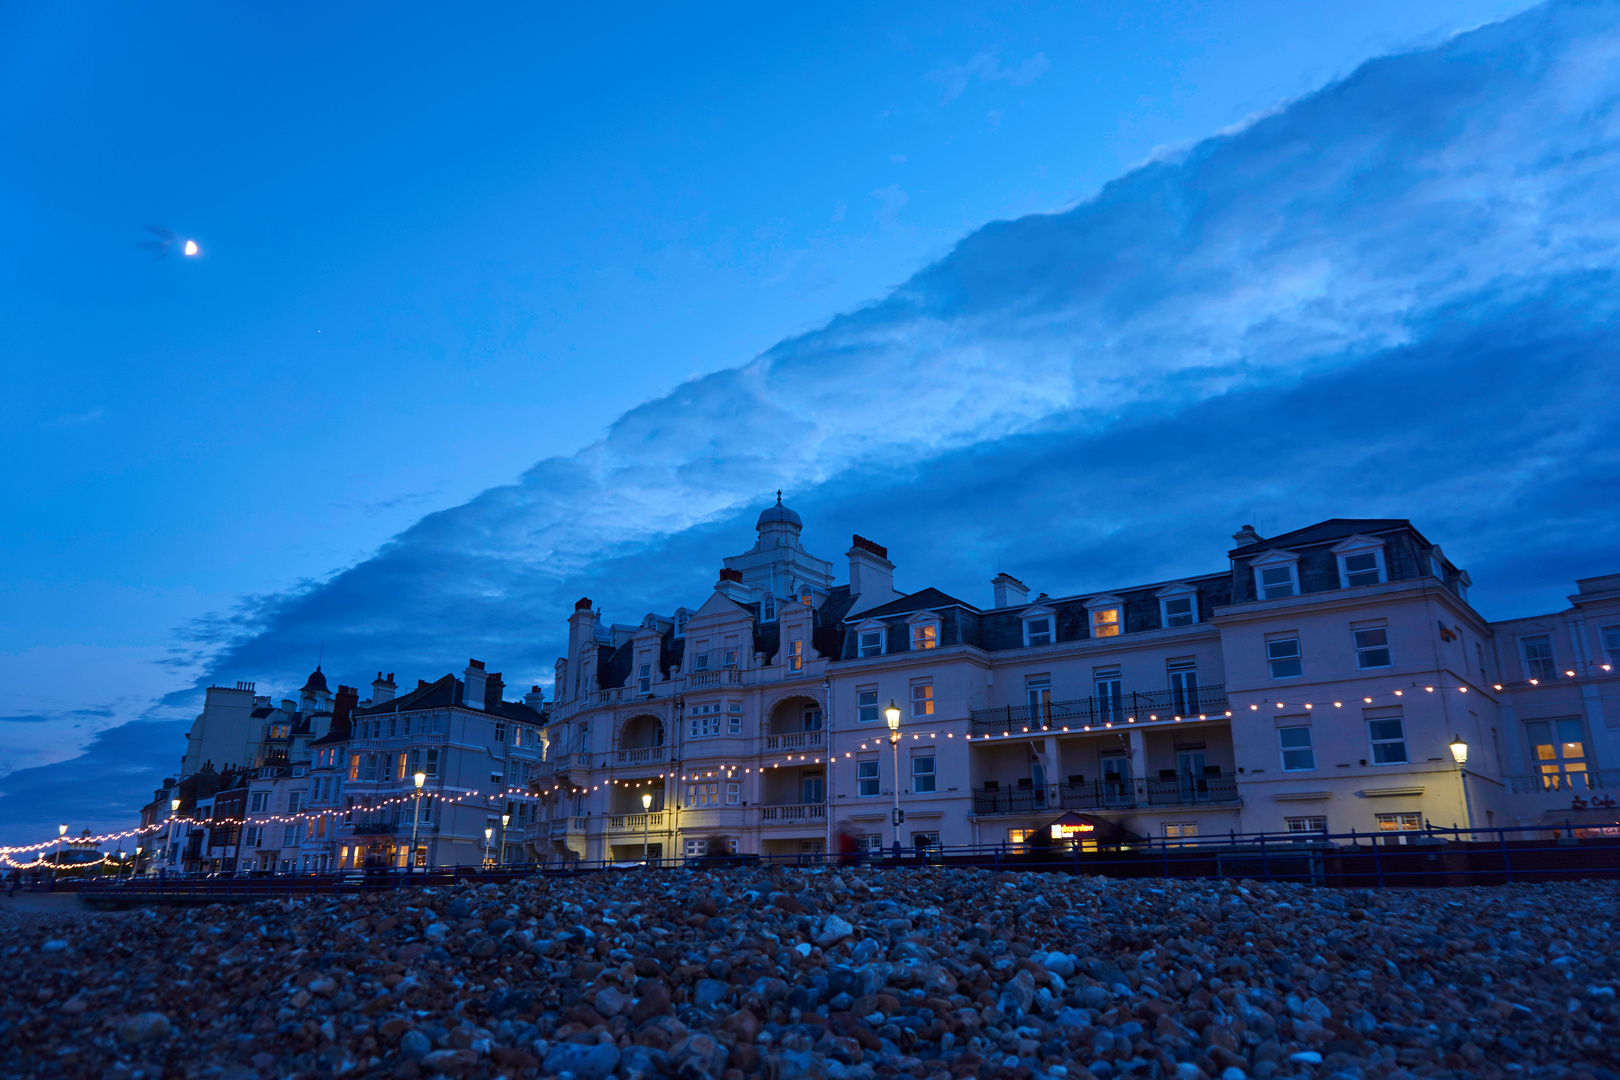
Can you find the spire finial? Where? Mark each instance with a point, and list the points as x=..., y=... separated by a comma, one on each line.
x=778, y=496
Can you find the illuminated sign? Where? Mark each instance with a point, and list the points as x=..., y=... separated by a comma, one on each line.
x=1061, y=832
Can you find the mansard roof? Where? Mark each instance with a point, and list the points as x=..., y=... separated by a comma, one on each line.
x=445, y=692
x=1331, y=529
x=917, y=601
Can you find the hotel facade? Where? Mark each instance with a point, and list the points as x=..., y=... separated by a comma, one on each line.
x=1324, y=680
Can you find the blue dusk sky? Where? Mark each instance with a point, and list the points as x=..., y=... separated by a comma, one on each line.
x=496, y=307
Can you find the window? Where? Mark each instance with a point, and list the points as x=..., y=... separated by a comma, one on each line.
x=295, y=801
x=1283, y=655
x=500, y=732
x=922, y=699
x=734, y=717
x=259, y=799
x=1559, y=753
x=681, y=618
x=1363, y=566
x=427, y=763
x=1295, y=743
x=811, y=718
x=1400, y=822
x=922, y=774
x=1276, y=582
x=705, y=720
x=804, y=596
x=1105, y=622
x=644, y=679
x=866, y=775
x=872, y=843
x=703, y=794
x=582, y=738
x=696, y=849
x=393, y=726
x=1372, y=647
x=1538, y=657
x=1388, y=738
x=1174, y=830
x=1110, y=693
x=496, y=777
x=925, y=635
x=369, y=768
x=866, y=705
x=812, y=788
x=731, y=658
x=1038, y=631
x=1611, y=644
x=795, y=655
x=1178, y=611
x=768, y=608
x=289, y=836
x=405, y=725
x=871, y=643
x=700, y=662
x=251, y=835
x=1038, y=693
x=1184, y=697
x=733, y=793
x=1305, y=824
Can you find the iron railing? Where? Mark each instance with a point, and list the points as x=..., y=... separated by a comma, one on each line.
x=1137, y=706
x=1572, y=782
x=1109, y=795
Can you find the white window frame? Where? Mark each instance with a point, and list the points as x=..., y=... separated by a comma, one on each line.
x=862, y=705
x=925, y=628
x=1285, y=748
x=922, y=698
x=767, y=609
x=644, y=679
x=1275, y=656
x=1377, y=743
x=1352, y=546
x=734, y=717
x=1275, y=560
x=733, y=793
x=1097, y=608
x=1551, y=659
x=1311, y=823
x=795, y=655
x=868, y=771
x=1177, y=592
x=700, y=662
x=873, y=628
x=1369, y=650
x=1034, y=615
x=929, y=776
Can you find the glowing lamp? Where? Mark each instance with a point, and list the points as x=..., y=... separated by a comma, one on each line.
x=1459, y=751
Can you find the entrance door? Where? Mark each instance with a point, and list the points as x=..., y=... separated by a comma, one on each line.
x=1184, y=692
x=815, y=790
x=812, y=719
x=1110, y=698
x=1190, y=775
x=1116, y=780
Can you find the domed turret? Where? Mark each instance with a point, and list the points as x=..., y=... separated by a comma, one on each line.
x=316, y=683
x=778, y=513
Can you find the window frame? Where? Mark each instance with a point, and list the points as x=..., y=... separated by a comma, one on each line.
x=1176, y=594
x=1376, y=743
x=925, y=698
x=1308, y=823
x=1285, y=748
x=868, y=771
x=1531, y=671
x=795, y=654
x=930, y=776
x=924, y=634
x=1031, y=616
x=1098, y=622
x=1370, y=651
x=878, y=645
x=861, y=705
x=1273, y=658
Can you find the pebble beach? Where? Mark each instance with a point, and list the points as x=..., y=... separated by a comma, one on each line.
x=834, y=973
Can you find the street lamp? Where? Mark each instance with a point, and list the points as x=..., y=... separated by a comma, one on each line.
x=1459, y=754
x=505, y=818
x=646, y=815
x=61, y=837
x=174, y=814
x=416, y=816
x=488, y=834
x=892, y=716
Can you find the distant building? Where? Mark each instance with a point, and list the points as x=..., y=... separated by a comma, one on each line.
x=1322, y=680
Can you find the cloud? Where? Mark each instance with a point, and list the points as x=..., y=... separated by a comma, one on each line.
x=89, y=416
x=953, y=79
x=1391, y=297
x=891, y=198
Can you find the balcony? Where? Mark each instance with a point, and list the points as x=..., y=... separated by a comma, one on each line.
x=646, y=755
x=652, y=822
x=375, y=828
x=562, y=762
x=1108, y=795
x=794, y=814
x=1570, y=783
x=802, y=740
x=1138, y=706
x=560, y=826
x=698, y=680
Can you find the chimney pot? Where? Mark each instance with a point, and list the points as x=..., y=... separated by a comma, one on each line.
x=1009, y=591
x=1246, y=536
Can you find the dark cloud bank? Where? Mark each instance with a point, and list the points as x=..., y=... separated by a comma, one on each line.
x=1395, y=297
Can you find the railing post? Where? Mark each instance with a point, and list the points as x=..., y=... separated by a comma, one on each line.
x=1265, y=860
x=1378, y=865
x=1164, y=852
x=1507, y=853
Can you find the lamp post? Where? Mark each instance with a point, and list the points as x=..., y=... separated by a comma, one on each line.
x=61, y=838
x=174, y=816
x=488, y=835
x=1459, y=754
x=416, y=817
x=646, y=816
x=892, y=716
x=505, y=818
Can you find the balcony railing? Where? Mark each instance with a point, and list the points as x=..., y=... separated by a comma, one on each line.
x=636, y=822
x=561, y=762
x=376, y=828
x=724, y=677
x=645, y=755
x=1109, y=795
x=788, y=815
x=802, y=740
x=559, y=826
x=1572, y=783
x=1139, y=705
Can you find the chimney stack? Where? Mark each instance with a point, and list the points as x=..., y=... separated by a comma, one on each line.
x=1009, y=591
x=382, y=689
x=730, y=585
x=535, y=699
x=1246, y=536
x=494, y=689
x=472, y=694
x=343, y=706
x=871, y=574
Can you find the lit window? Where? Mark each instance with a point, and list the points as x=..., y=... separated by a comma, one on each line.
x=1559, y=751
x=871, y=643
x=1372, y=647
x=866, y=774
x=1038, y=631
x=1283, y=655
x=866, y=706
x=1388, y=739
x=1180, y=829
x=1400, y=822
x=1295, y=743
x=705, y=794
x=1179, y=611
x=922, y=774
x=804, y=596
x=1276, y=582
x=1305, y=824
x=925, y=635
x=922, y=699
x=1105, y=622
x=1538, y=657
x=795, y=655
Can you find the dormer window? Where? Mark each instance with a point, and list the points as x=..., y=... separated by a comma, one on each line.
x=1361, y=562
x=870, y=637
x=1437, y=565
x=1178, y=606
x=1106, y=614
x=1040, y=627
x=767, y=609
x=681, y=618
x=1276, y=575
x=804, y=596
x=924, y=631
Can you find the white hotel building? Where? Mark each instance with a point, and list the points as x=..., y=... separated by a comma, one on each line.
x=1317, y=680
